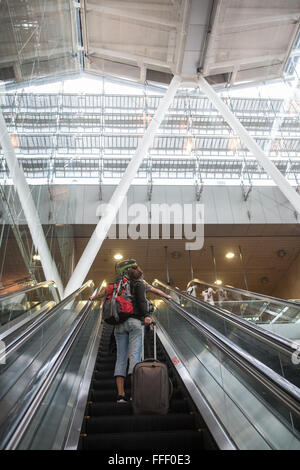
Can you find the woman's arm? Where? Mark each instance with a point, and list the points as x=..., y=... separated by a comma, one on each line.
x=159, y=292
x=98, y=296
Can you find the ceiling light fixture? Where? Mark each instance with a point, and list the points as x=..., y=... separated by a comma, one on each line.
x=281, y=253
x=14, y=138
x=218, y=282
x=36, y=257
x=230, y=255
x=118, y=257
x=234, y=143
x=189, y=145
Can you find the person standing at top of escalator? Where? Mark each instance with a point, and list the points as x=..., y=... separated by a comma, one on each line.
x=222, y=296
x=192, y=290
x=208, y=296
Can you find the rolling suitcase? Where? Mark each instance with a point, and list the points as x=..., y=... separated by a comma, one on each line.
x=151, y=386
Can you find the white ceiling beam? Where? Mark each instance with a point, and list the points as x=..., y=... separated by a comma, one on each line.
x=28, y=206
x=252, y=25
x=110, y=53
x=26, y=56
x=171, y=48
x=258, y=17
x=48, y=8
x=133, y=15
x=126, y=47
x=103, y=226
x=204, y=158
x=160, y=7
x=143, y=72
x=181, y=35
x=269, y=167
x=212, y=36
x=234, y=74
x=263, y=59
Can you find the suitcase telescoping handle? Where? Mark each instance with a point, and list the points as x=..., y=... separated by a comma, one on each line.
x=153, y=327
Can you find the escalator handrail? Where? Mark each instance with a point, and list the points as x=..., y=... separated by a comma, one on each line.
x=266, y=298
x=27, y=333
x=48, y=373
x=23, y=281
x=277, y=341
x=28, y=289
x=288, y=393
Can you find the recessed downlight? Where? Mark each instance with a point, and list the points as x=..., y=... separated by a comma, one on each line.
x=229, y=255
x=118, y=256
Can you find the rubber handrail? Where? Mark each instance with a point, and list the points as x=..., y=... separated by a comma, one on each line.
x=47, y=376
x=266, y=298
x=288, y=393
x=277, y=341
x=28, y=289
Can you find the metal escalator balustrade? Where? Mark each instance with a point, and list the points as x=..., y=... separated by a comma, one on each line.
x=274, y=314
x=23, y=305
x=31, y=363
x=237, y=401
x=271, y=350
x=18, y=284
x=258, y=408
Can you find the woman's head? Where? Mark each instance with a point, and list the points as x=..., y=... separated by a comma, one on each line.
x=135, y=273
x=130, y=268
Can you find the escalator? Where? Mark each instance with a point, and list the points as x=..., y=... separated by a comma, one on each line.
x=112, y=426
x=23, y=305
x=274, y=351
x=31, y=352
x=278, y=316
x=224, y=398
x=225, y=395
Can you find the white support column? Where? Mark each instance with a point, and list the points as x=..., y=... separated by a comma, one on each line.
x=254, y=148
x=120, y=192
x=28, y=206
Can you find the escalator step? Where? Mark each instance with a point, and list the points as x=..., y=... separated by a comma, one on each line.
x=109, y=425
x=110, y=384
x=180, y=440
x=111, y=394
x=106, y=340
x=106, y=384
x=105, y=374
x=105, y=354
x=98, y=375
x=113, y=408
x=139, y=423
x=106, y=358
x=105, y=365
x=109, y=408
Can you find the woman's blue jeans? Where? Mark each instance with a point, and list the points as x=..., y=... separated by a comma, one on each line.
x=129, y=345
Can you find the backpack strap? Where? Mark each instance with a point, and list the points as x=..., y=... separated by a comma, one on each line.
x=117, y=288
